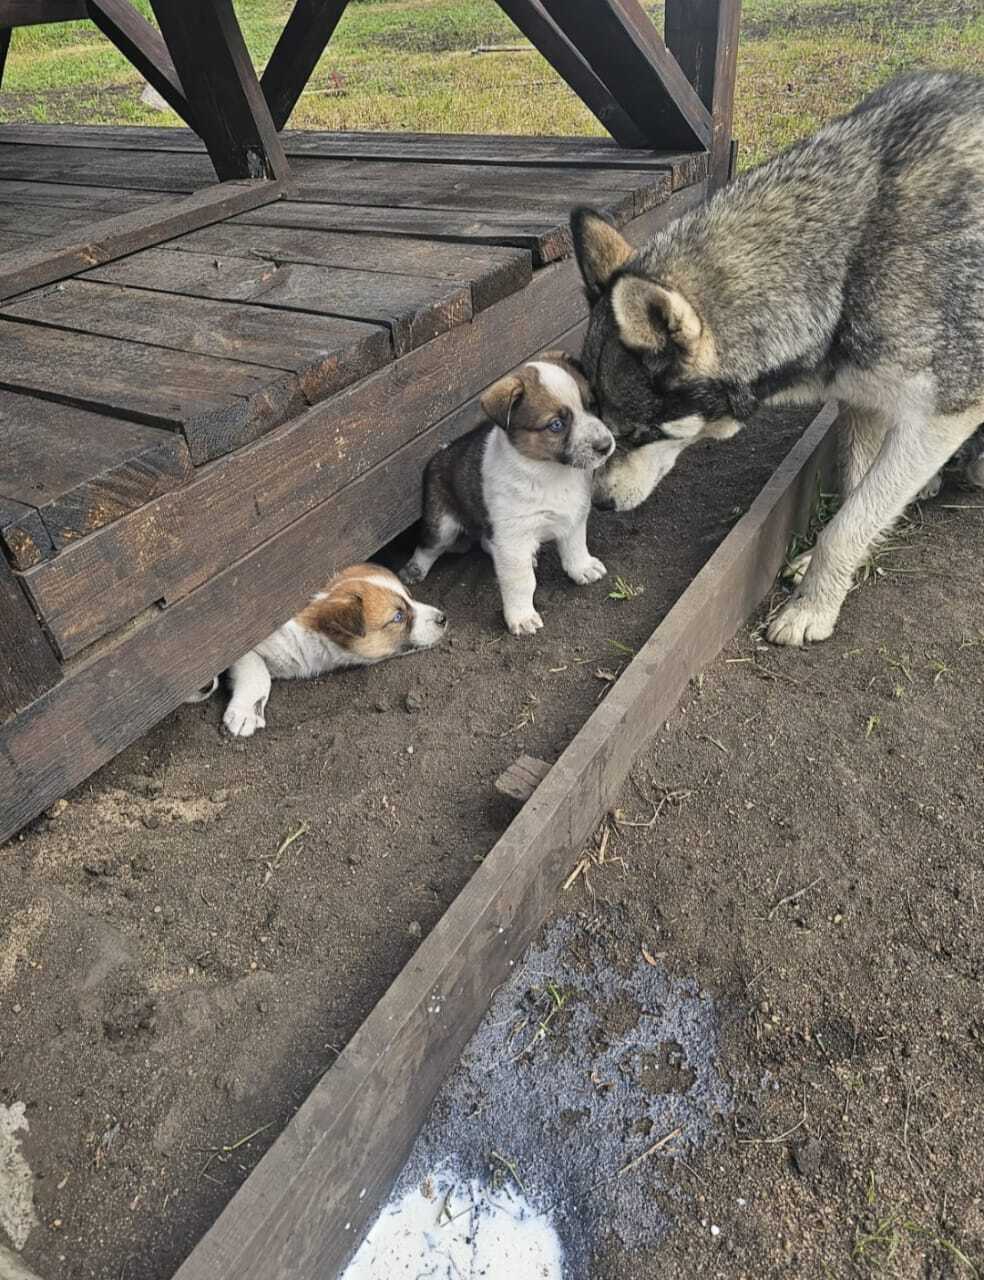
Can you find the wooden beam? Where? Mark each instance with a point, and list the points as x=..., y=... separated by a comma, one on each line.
x=295, y=56
x=144, y=46
x=644, y=77
x=703, y=37
x=540, y=29
x=61, y=256
x=4, y=50
x=27, y=13
x=304, y=1208
x=28, y=666
x=220, y=84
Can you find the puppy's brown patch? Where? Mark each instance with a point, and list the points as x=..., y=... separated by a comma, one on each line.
x=362, y=612
x=524, y=407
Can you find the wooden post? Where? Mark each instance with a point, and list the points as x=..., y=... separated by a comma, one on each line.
x=4, y=47
x=703, y=37
x=220, y=84
x=541, y=30
x=28, y=666
x=144, y=46
x=303, y=40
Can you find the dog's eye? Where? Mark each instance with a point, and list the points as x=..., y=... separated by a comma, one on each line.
x=556, y=426
x=399, y=616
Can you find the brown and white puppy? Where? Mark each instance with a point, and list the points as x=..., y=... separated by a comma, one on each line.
x=363, y=616
x=519, y=480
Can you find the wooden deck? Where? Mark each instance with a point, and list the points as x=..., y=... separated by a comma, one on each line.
x=216, y=394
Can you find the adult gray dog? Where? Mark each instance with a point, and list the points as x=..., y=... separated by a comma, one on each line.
x=851, y=266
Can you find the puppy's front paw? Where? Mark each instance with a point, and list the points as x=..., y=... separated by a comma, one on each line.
x=412, y=573
x=801, y=621
x=524, y=624
x=243, y=721
x=591, y=570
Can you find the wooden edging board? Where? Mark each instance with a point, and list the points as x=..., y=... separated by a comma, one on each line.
x=303, y=1210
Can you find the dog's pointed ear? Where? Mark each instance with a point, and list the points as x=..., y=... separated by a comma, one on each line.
x=599, y=248
x=502, y=397
x=340, y=617
x=648, y=316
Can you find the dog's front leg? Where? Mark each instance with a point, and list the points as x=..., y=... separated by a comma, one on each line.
x=631, y=476
x=912, y=453
x=578, y=562
x=250, y=679
x=517, y=584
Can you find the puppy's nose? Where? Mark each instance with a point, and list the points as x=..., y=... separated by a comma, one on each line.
x=604, y=447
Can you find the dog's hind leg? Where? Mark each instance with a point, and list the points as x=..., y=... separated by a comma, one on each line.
x=442, y=535
x=911, y=454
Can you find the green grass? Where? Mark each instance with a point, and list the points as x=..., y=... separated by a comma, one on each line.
x=407, y=64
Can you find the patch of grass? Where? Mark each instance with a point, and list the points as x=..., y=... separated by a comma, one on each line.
x=407, y=64
x=623, y=590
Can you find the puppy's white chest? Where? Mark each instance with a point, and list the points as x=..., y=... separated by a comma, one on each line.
x=542, y=502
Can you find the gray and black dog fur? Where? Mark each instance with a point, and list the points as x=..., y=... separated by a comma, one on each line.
x=851, y=266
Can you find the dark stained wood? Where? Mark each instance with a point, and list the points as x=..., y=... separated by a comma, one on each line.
x=179, y=172
x=301, y=1211
x=99, y=202
x=644, y=77
x=103, y=241
x=23, y=535
x=415, y=309
x=220, y=85
x=28, y=667
x=144, y=46
x=4, y=50
x=570, y=64
x=25, y=13
x=302, y=42
x=703, y=37
x=422, y=148
x=217, y=404
x=325, y=353
x=490, y=273
x=99, y=585
x=81, y=471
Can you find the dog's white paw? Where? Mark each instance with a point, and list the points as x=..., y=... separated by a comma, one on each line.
x=524, y=624
x=930, y=490
x=795, y=571
x=243, y=721
x=620, y=487
x=801, y=621
x=590, y=570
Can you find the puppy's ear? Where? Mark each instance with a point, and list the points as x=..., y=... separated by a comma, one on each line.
x=340, y=617
x=502, y=397
x=599, y=248
x=648, y=316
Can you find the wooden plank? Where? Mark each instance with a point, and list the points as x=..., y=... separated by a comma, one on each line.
x=644, y=77
x=522, y=778
x=296, y=54
x=217, y=404
x=26, y=13
x=25, y=539
x=178, y=172
x=100, y=202
x=325, y=353
x=102, y=583
x=546, y=235
x=422, y=148
x=220, y=85
x=415, y=309
x=703, y=37
x=302, y=1210
x=544, y=34
x=28, y=666
x=103, y=241
x=143, y=45
x=491, y=273
x=4, y=50
x=79, y=470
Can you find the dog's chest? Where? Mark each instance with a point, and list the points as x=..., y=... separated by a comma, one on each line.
x=542, y=501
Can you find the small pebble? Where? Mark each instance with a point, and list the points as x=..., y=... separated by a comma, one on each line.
x=151, y=821
x=414, y=929
x=763, y=1006
x=17, y=1008
x=715, y=1231
x=837, y=918
x=57, y=809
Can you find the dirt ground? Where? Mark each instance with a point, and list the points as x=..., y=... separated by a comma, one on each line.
x=190, y=938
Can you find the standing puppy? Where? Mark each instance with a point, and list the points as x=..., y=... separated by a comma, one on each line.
x=363, y=616
x=522, y=479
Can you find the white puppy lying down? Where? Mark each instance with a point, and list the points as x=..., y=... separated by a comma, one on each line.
x=363, y=616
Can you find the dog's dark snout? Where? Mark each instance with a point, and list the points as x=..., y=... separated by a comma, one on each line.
x=602, y=448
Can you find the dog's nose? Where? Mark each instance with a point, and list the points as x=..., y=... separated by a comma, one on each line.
x=604, y=447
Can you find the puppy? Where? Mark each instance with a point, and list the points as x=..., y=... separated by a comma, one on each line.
x=517, y=481
x=363, y=616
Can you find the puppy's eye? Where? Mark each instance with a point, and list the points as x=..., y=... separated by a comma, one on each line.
x=399, y=616
x=556, y=426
